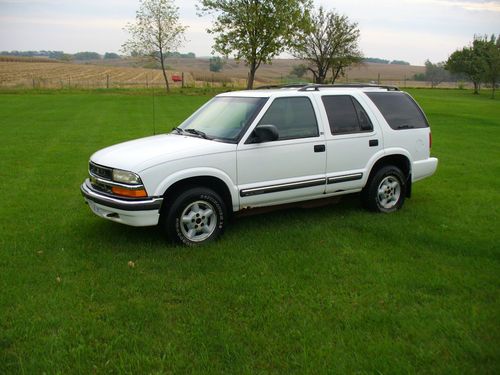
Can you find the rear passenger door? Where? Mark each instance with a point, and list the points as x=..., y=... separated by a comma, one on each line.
x=290, y=168
x=352, y=138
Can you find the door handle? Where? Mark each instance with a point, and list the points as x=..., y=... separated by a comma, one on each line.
x=373, y=142
x=319, y=148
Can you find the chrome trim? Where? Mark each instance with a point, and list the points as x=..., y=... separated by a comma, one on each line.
x=282, y=187
x=113, y=183
x=98, y=166
x=345, y=178
x=153, y=203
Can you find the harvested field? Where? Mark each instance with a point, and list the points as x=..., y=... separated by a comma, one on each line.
x=102, y=74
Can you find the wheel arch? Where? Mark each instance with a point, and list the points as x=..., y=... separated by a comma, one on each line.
x=208, y=181
x=398, y=160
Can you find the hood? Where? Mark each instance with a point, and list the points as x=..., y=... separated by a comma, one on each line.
x=143, y=153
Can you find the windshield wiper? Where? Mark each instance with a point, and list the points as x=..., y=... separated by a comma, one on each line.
x=197, y=132
x=178, y=130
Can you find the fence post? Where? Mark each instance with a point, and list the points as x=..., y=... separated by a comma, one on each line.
x=378, y=79
x=107, y=81
x=33, y=83
x=182, y=75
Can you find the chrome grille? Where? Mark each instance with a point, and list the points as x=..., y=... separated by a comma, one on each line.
x=101, y=171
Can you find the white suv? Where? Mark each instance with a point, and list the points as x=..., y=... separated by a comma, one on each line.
x=265, y=147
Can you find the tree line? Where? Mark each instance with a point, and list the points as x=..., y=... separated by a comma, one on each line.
x=252, y=31
x=478, y=63
x=84, y=56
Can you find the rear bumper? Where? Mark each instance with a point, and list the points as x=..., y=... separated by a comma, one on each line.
x=423, y=168
x=139, y=213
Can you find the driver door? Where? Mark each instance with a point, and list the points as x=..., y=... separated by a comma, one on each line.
x=290, y=168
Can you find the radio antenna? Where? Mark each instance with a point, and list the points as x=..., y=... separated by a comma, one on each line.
x=154, y=122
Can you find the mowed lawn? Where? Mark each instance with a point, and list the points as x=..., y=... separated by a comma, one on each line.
x=333, y=289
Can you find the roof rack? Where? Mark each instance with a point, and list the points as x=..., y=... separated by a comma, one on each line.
x=316, y=86
x=283, y=86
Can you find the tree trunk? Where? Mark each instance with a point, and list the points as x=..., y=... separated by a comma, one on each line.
x=493, y=85
x=320, y=78
x=476, y=91
x=251, y=76
x=163, y=69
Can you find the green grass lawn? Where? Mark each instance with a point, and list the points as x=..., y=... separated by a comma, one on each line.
x=334, y=289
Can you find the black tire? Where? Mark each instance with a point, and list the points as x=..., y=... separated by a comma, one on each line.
x=206, y=212
x=385, y=191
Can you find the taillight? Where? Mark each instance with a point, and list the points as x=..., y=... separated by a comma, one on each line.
x=430, y=140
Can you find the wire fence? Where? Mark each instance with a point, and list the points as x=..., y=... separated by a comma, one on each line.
x=189, y=80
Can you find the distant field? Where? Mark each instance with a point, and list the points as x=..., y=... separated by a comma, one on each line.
x=330, y=290
x=123, y=73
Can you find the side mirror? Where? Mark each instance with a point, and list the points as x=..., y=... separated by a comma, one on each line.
x=265, y=133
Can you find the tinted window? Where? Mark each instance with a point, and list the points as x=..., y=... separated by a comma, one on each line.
x=346, y=115
x=293, y=117
x=399, y=109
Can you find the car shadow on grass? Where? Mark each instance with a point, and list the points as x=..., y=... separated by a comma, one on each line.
x=118, y=236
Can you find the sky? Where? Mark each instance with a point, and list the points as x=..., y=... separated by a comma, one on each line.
x=409, y=30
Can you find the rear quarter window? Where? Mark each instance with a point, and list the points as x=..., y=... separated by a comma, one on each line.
x=399, y=110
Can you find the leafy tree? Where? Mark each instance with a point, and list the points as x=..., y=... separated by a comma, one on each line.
x=419, y=76
x=489, y=50
x=299, y=70
x=156, y=32
x=84, y=56
x=375, y=60
x=254, y=31
x=467, y=61
x=399, y=62
x=435, y=73
x=216, y=64
x=111, y=55
x=340, y=64
x=328, y=42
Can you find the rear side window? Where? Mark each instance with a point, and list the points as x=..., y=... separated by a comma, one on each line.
x=294, y=117
x=399, y=109
x=346, y=115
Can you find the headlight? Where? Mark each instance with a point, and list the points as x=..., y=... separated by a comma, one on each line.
x=126, y=177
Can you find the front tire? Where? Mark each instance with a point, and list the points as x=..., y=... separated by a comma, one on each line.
x=385, y=191
x=196, y=216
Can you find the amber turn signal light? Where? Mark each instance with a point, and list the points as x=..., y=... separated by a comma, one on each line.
x=128, y=192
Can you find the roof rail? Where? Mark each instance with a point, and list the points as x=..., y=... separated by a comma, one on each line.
x=316, y=86
x=283, y=86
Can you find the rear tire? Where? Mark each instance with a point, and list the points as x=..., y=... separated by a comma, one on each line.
x=385, y=191
x=195, y=217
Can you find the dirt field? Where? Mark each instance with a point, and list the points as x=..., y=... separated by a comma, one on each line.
x=35, y=74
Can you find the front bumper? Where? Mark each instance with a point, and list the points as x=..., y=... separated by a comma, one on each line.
x=135, y=212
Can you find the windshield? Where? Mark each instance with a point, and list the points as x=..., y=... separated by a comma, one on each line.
x=223, y=117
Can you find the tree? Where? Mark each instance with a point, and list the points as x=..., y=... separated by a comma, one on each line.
x=399, y=62
x=435, y=73
x=467, y=61
x=254, y=31
x=489, y=51
x=328, y=42
x=111, y=55
x=299, y=70
x=156, y=32
x=85, y=56
x=216, y=64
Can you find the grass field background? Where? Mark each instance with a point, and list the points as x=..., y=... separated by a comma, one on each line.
x=334, y=289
